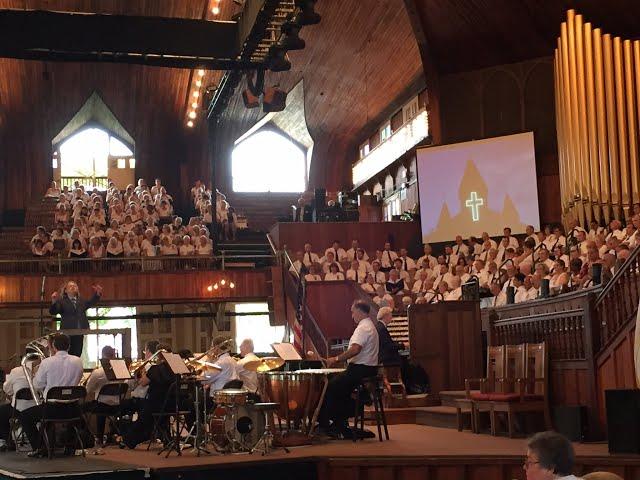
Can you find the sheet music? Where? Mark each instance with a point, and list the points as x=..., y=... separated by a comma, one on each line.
x=120, y=370
x=175, y=363
x=286, y=351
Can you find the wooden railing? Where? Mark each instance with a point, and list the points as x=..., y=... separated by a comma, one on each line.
x=101, y=183
x=617, y=304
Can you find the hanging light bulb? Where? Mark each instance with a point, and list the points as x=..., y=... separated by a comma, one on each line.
x=196, y=94
x=201, y=72
x=198, y=83
x=210, y=288
x=190, y=124
x=194, y=105
x=223, y=282
x=215, y=10
x=215, y=287
x=232, y=285
x=192, y=114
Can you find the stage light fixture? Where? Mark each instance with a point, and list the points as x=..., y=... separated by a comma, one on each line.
x=307, y=14
x=278, y=61
x=274, y=100
x=290, y=39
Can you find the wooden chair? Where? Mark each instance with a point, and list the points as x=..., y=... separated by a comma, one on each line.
x=480, y=400
x=510, y=387
x=529, y=393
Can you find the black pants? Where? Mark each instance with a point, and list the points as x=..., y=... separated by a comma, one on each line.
x=338, y=405
x=100, y=410
x=31, y=416
x=5, y=428
x=75, y=347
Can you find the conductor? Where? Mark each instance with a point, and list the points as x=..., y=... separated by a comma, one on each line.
x=73, y=310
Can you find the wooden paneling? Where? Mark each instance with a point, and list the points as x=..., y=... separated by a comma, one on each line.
x=370, y=235
x=330, y=303
x=170, y=287
x=446, y=341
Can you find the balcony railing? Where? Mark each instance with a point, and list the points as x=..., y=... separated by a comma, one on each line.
x=59, y=265
x=101, y=183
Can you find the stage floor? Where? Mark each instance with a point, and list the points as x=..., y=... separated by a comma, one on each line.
x=409, y=445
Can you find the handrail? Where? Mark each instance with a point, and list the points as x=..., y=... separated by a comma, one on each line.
x=272, y=244
x=619, y=273
x=289, y=263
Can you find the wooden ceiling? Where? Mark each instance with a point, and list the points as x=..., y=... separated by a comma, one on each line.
x=466, y=35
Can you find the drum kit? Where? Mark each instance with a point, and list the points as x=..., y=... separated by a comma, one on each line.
x=239, y=424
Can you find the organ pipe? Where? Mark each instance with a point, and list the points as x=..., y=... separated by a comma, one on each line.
x=597, y=91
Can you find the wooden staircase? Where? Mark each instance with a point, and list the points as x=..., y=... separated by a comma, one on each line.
x=14, y=241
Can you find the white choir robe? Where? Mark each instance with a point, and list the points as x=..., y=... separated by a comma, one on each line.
x=513, y=242
x=634, y=239
x=464, y=278
x=477, y=250
x=309, y=277
x=447, y=277
x=532, y=293
x=594, y=233
x=388, y=256
x=429, y=260
x=508, y=283
x=310, y=258
x=428, y=296
x=370, y=288
x=417, y=286
x=385, y=301
x=521, y=294
x=619, y=234
x=582, y=248
x=451, y=259
x=499, y=300
x=341, y=255
x=484, y=278
x=357, y=276
x=453, y=295
x=534, y=237
x=332, y=277
x=405, y=276
x=364, y=266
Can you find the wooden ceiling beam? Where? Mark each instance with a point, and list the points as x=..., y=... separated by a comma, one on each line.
x=158, y=41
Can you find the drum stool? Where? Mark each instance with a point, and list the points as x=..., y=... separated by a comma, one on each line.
x=374, y=387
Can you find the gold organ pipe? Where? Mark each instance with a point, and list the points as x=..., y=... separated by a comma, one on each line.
x=592, y=133
x=622, y=123
x=631, y=120
x=601, y=120
x=566, y=85
x=574, y=112
x=583, y=151
x=560, y=129
x=607, y=50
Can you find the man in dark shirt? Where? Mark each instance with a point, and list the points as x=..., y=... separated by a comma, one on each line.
x=388, y=350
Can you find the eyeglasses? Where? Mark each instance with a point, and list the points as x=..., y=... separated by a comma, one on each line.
x=527, y=463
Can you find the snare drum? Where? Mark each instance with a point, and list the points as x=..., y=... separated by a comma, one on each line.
x=230, y=396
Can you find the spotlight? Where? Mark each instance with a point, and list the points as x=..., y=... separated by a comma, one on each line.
x=274, y=100
x=278, y=61
x=307, y=14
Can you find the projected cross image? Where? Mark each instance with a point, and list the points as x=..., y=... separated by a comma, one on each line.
x=472, y=187
x=474, y=203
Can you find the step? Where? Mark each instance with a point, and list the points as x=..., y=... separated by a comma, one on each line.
x=422, y=400
x=449, y=397
x=442, y=417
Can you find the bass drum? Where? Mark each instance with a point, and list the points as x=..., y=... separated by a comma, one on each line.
x=237, y=428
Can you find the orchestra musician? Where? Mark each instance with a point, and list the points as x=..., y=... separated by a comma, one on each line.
x=73, y=310
x=362, y=361
x=249, y=378
x=158, y=380
x=15, y=381
x=100, y=403
x=227, y=377
x=59, y=370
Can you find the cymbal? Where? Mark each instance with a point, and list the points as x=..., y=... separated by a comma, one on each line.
x=265, y=364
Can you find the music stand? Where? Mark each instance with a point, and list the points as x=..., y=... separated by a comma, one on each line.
x=115, y=369
x=177, y=367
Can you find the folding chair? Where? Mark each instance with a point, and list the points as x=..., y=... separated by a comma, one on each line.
x=171, y=409
x=63, y=406
x=111, y=413
x=17, y=433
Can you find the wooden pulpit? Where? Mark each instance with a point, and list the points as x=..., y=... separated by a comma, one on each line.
x=446, y=340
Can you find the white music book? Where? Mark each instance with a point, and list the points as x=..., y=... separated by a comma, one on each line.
x=286, y=351
x=120, y=370
x=175, y=363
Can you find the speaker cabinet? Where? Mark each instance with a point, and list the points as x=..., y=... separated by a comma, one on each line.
x=623, y=420
x=571, y=422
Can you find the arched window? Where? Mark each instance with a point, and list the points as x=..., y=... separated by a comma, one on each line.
x=85, y=155
x=268, y=162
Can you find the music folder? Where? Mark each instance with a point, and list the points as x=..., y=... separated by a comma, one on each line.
x=115, y=369
x=286, y=351
x=175, y=363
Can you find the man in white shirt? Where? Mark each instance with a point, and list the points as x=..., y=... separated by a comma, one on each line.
x=309, y=258
x=450, y=258
x=408, y=264
x=499, y=298
x=531, y=234
x=329, y=260
x=58, y=370
x=382, y=298
x=543, y=257
x=97, y=403
x=521, y=290
x=378, y=274
x=248, y=377
x=14, y=382
x=459, y=248
x=512, y=241
x=355, y=273
x=427, y=260
x=338, y=252
x=387, y=258
x=455, y=290
x=218, y=379
x=475, y=248
x=363, y=264
x=362, y=361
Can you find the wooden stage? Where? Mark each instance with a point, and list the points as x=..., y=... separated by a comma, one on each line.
x=414, y=452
